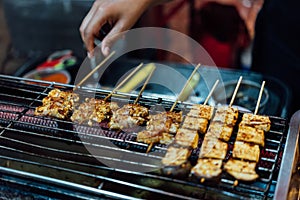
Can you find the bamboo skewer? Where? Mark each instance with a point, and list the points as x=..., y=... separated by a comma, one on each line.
x=186, y=84
x=139, y=96
x=124, y=81
x=259, y=97
x=149, y=147
x=202, y=180
x=177, y=99
x=235, y=183
x=235, y=91
x=211, y=92
x=94, y=70
x=141, y=91
x=230, y=105
x=144, y=86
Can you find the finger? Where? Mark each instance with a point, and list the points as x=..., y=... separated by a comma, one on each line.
x=87, y=19
x=91, y=25
x=115, y=33
x=92, y=32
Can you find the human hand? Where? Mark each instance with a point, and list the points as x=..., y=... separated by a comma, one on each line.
x=121, y=15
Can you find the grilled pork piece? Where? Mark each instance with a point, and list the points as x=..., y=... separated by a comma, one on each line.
x=226, y=115
x=193, y=123
x=165, y=122
x=213, y=148
x=187, y=138
x=151, y=137
x=124, y=122
x=129, y=116
x=251, y=134
x=133, y=110
x=201, y=111
x=207, y=168
x=175, y=162
x=219, y=130
x=94, y=110
x=58, y=104
x=256, y=121
x=241, y=170
x=159, y=123
x=246, y=151
x=160, y=128
x=176, y=156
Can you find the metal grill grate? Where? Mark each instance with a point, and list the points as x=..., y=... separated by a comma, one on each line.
x=52, y=154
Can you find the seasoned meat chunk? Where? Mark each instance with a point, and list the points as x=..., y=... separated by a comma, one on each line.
x=165, y=122
x=58, y=104
x=201, y=111
x=133, y=110
x=94, y=110
x=213, y=148
x=129, y=116
x=256, y=121
x=251, y=135
x=219, y=130
x=198, y=124
x=207, y=168
x=187, y=138
x=226, y=115
x=176, y=156
x=241, y=170
x=151, y=137
x=246, y=151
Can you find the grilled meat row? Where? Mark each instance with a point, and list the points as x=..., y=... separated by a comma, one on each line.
x=246, y=151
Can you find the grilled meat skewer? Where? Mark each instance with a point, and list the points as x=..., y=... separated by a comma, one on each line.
x=207, y=168
x=58, y=104
x=241, y=170
x=220, y=131
x=165, y=122
x=226, y=115
x=213, y=148
x=129, y=116
x=94, y=110
x=160, y=128
x=175, y=162
x=251, y=135
x=193, y=123
x=256, y=121
x=201, y=111
x=151, y=137
x=246, y=151
x=187, y=138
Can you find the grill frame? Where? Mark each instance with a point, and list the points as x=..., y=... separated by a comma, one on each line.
x=290, y=157
x=43, y=91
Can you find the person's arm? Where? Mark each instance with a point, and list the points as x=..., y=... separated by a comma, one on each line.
x=120, y=14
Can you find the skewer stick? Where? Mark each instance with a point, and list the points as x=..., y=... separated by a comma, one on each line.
x=235, y=183
x=259, y=97
x=94, y=70
x=211, y=92
x=144, y=86
x=178, y=97
x=186, y=84
x=235, y=91
x=149, y=147
x=124, y=81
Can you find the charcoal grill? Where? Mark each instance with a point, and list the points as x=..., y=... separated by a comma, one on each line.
x=43, y=157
